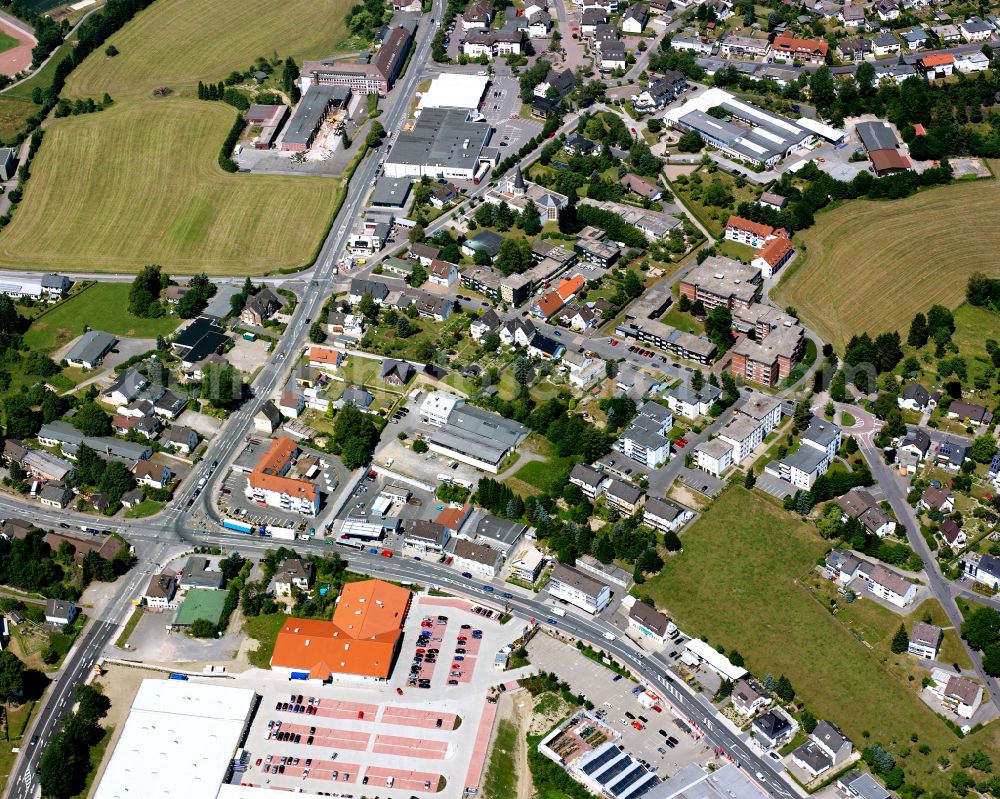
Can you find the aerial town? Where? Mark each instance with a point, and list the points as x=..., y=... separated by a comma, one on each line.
x=638, y=363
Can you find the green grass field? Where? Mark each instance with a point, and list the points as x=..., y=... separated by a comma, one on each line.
x=737, y=583
x=7, y=42
x=139, y=183
x=870, y=266
x=501, y=774
x=102, y=306
x=265, y=630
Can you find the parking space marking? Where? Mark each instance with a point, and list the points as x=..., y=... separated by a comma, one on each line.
x=410, y=747
x=412, y=717
x=407, y=780
x=477, y=760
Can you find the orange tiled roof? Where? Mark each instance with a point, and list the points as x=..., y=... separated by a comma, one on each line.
x=268, y=473
x=789, y=44
x=324, y=355
x=937, y=59
x=361, y=639
x=452, y=517
x=277, y=457
x=739, y=223
x=774, y=250
x=569, y=287
x=550, y=303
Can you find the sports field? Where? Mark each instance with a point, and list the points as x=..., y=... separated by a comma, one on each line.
x=737, y=583
x=870, y=266
x=139, y=183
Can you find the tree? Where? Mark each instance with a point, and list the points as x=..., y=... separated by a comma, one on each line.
x=808, y=721
x=980, y=289
x=144, y=295
x=821, y=88
x=991, y=659
x=749, y=480
x=983, y=448
x=317, y=335
x=736, y=658
x=690, y=142
x=981, y=628
x=718, y=327
x=864, y=76
x=531, y=219
x=900, y=641
x=522, y=370
x=419, y=446
x=222, y=385
x=672, y=542
x=783, y=688
x=203, y=628
x=369, y=308
x=91, y=420
x=11, y=675
x=838, y=387
x=417, y=234
x=110, y=51
x=375, y=134
x=918, y=334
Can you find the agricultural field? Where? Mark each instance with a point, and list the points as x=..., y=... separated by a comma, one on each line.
x=143, y=185
x=870, y=266
x=758, y=556
x=139, y=183
x=101, y=305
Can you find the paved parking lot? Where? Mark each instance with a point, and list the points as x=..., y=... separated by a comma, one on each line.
x=614, y=702
x=353, y=734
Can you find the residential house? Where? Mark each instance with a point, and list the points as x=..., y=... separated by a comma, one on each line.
x=592, y=17
x=548, y=349
x=939, y=499
x=661, y=91
x=484, y=241
x=914, y=397
x=809, y=51
x=885, y=44
x=635, y=18
x=975, y=30
x=170, y=404
x=691, y=404
x=645, y=440
x=267, y=419
x=488, y=323
x=425, y=536
x=583, y=371
x=663, y=515
x=771, y=730
x=579, y=589
x=862, y=785
x=826, y=747
x=126, y=388
x=886, y=584
x=154, y=475
x=181, y=439
x=395, y=373
x=952, y=534
x=528, y=566
x=612, y=56
x=442, y=273
x=588, y=479
x=648, y=622
x=925, y=640
x=915, y=38
x=972, y=62
x=294, y=573
x=161, y=591
x=55, y=495
x=749, y=696
x=260, y=307
x=861, y=505
x=477, y=559
x=951, y=455
x=854, y=50
x=970, y=414
x=624, y=497
x=853, y=16
x=345, y=325
x=887, y=10
x=714, y=456
x=917, y=443
x=936, y=65
x=90, y=349
x=645, y=188
x=359, y=398
x=958, y=694
x=59, y=612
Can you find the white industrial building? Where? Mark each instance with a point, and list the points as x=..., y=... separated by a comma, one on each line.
x=179, y=741
x=444, y=143
x=461, y=92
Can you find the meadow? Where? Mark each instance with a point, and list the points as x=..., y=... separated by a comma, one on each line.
x=870, y=266
x=139, y=182
x=739, y=583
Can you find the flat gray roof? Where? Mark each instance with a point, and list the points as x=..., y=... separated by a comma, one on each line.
x=470, y=419
x=91, y=347
x=877, y=136
x=392, y=192
x=442, y=137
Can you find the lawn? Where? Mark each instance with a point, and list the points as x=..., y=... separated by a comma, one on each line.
x=103, y=306
x=7, y=42
x=746, y=556
x=143, y=184
x=148, y=507
x=130, y=626
x=501, y=775
x=18, y=717
x=540, y=477
x=870, y=266
x=264, y=629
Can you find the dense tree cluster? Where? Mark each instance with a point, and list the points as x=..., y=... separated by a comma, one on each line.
x=109, y=476
x=983, y=291
x=665, y=58
x=355, y=435
x=981, y=630
x=199, y=291
x=822, y=189
x=66, y=763
x=144, y=295
x=574, y=218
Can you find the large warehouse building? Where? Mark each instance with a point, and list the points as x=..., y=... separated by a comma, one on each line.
x=461, y=92
x=178, y=741
x=444, y=143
